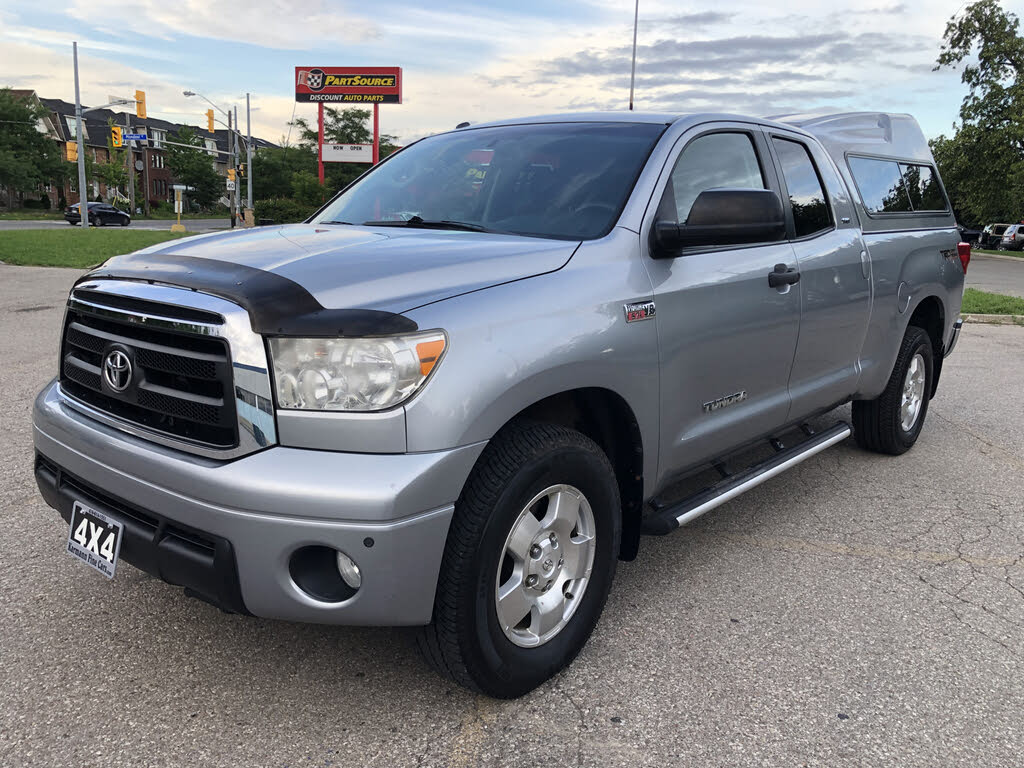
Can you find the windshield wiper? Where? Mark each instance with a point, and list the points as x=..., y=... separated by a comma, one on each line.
x=417, y=221
x=337, y=222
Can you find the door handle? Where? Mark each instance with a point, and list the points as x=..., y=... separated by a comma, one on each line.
x=781, y=275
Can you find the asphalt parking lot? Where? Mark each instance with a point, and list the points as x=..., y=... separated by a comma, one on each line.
x=997, y=274
x=859, y=610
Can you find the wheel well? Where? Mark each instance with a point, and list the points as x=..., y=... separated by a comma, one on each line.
x=607, y=419
x=930, y=316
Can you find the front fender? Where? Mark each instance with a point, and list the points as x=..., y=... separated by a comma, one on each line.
x=513, y=345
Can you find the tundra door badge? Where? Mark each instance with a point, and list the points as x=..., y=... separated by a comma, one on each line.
x=643, y=310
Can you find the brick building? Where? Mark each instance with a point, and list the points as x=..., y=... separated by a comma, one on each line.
x=152, y=173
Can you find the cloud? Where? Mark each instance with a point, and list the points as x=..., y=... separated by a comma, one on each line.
x=482, y=61
x=688, y=20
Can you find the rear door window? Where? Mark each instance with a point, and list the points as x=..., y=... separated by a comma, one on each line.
x=811, y=212
x=712, y=161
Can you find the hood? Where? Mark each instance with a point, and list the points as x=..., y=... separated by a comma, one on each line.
x=380, y=268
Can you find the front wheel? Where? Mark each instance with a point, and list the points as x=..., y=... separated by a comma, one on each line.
x=892, y=422
x=529, y=561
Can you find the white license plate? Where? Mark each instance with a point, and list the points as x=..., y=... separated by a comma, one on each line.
x=94, y=538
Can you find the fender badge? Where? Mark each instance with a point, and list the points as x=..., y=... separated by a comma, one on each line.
x=641, y=311
x=723, y=402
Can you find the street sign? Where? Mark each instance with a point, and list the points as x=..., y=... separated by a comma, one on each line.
x=135, y=137
x=348, y=153
x=368, y=85
x=231, y=185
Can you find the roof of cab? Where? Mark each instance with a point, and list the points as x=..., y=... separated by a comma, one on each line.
x=872, y=133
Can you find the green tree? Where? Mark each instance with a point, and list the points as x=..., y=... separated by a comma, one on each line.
x=193, y=167
x=343, y=126
x=28, y=157
x=275, y=167
x=306, y=189
x=982, y=164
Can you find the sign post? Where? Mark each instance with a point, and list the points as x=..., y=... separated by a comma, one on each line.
x=376, y=133
x=320, y=142
x=178, y=189
x=348, y=85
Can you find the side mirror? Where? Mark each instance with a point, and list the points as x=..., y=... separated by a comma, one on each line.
x=723, y=217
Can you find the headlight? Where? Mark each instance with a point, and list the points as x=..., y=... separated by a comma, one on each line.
x=353, y=374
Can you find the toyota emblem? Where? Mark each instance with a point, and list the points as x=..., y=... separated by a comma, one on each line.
x=117, y=370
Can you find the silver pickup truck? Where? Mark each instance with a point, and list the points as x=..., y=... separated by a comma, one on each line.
x=464, y=390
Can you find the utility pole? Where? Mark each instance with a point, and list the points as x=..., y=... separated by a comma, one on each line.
x=131, y=164
x=83, y=198
x=231, y=160
x=248, y=155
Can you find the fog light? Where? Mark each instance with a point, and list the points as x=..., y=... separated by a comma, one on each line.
x=349, y=571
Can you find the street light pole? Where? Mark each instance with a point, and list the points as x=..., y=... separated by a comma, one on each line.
x=234, y=164
x=83, y=198
x=231, y=160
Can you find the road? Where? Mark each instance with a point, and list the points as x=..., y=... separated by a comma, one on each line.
x=192, y=225
x=859, y=610
x=997, y=274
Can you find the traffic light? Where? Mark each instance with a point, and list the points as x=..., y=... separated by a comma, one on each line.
x=209, y=121
x=72, y=151
x=116, y=139
x=241, y=169
x=140, y=104
x=231, y=174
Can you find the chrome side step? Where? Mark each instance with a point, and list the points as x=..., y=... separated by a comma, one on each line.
x=666, y=519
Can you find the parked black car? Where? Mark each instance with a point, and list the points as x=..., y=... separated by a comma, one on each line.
x=100, y=214
x=992, y=235
x=969, y=234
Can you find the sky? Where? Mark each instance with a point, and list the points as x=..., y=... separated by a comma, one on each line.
x=485, y=60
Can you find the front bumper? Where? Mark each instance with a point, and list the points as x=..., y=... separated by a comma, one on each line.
x=389, y=512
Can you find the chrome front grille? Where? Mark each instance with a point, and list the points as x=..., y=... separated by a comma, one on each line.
x=197, y=374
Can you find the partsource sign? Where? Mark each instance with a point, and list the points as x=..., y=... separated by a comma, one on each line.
x=352, y=85
x=347, y=153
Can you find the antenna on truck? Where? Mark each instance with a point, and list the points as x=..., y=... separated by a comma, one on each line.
x=632, y=75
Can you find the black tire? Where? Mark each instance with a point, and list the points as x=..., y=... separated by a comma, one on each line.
x=465, y=642
x=877, y=423
x=125, y=221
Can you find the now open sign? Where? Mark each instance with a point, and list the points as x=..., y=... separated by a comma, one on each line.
x=347, y=153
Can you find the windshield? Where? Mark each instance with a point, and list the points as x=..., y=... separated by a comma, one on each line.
x=560, y=180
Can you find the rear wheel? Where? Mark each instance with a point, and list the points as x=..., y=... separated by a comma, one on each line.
x=892, y=422
x=529, y=561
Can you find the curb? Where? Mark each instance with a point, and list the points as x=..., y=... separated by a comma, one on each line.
x=999, y=256
x=995, y=319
